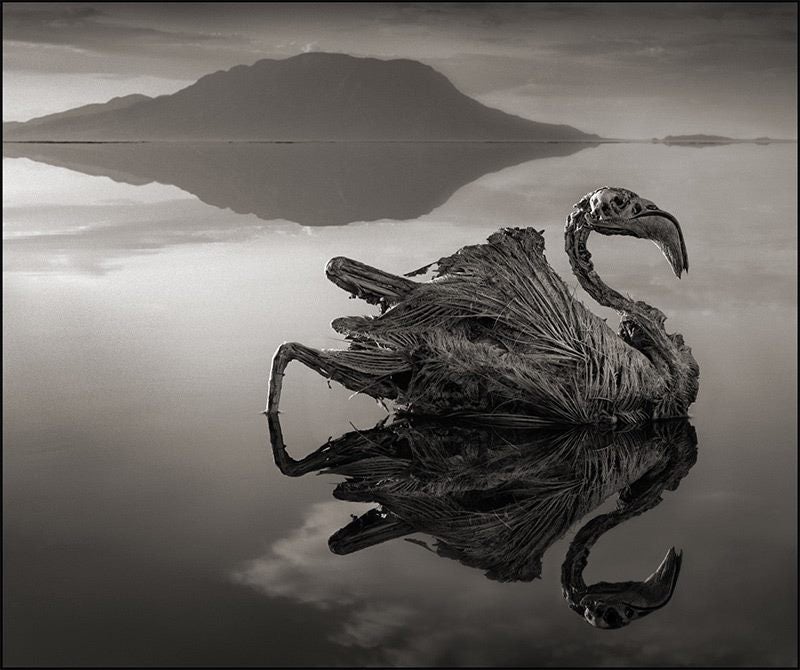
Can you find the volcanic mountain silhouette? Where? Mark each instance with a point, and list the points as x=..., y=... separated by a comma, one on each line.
x=313, y=96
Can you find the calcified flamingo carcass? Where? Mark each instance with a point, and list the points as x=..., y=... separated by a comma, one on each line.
x=497, y=333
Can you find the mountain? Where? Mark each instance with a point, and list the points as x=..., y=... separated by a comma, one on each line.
x=313, y=96
x=315, y=184
x=78, y=112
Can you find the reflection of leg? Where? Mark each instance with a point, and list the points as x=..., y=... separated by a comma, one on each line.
x=352, y=447
x=285, y=463
x=373, y=285
x=366, y=371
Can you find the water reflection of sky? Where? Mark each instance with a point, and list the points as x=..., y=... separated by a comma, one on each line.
x=138, y=332
x=90, y=222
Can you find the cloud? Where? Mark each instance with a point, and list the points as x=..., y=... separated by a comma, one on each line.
x=388, y=618
x=94, y=239
x=396, y=604
x=84, y=28
x=69, y=40
x=717, y=56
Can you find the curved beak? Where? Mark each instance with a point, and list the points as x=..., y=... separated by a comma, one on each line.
x=653, y=224
x=664, y=230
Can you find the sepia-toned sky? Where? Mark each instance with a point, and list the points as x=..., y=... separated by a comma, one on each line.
x=620, y=70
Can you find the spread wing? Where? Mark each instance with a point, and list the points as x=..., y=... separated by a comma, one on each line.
x=497, y=312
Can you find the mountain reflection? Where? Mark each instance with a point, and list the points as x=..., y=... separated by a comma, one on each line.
x=314, y=184
x=496, y=498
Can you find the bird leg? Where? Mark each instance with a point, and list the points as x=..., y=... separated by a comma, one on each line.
x=370, y=372
x=372, y=285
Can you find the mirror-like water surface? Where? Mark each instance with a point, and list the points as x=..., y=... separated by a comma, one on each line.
x=145, y=520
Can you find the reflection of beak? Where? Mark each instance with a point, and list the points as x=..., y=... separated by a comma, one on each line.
x=662, y=582
x=663, y=228
x=641, y=597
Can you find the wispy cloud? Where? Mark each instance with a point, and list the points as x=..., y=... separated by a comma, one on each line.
x=400, y=605
x=682, y=64
x=87, y=28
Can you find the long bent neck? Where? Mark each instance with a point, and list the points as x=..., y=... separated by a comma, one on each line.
x=679, y=444
x=581, y=261
x=577, y=556
x=642, y=326
x=575, y=236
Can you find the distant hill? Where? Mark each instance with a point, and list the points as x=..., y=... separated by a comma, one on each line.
x=78, y=112
x=314, y=184
x=713, y=139
x=313, y=96
x=698, y=138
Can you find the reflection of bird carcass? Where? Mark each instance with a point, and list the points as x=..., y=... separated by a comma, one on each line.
x=496, y=498
x=497, y=331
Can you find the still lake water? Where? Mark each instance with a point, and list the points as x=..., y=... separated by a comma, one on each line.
x=145, y=291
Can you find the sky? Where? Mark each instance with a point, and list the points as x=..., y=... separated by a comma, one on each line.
x=616, y=69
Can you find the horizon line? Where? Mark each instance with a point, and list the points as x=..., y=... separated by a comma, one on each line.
x=602, y=140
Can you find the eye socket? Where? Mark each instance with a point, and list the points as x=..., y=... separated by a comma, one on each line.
x=612, y=618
